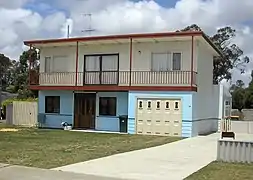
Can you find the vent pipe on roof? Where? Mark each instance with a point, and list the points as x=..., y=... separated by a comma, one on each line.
x=68, y=32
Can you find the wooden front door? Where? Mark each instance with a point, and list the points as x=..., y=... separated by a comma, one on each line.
x=85, y=107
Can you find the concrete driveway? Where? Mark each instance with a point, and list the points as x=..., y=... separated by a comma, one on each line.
x=11, y=172
x=174, y=161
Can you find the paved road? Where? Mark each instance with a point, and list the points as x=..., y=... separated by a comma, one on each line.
x=9, y=172
x=173, y=161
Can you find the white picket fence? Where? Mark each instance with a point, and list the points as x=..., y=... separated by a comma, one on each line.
x=225, y=125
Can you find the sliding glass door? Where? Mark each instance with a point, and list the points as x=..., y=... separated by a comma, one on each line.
x=101, y=69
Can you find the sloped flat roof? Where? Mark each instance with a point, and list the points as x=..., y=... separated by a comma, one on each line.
x=125, y=37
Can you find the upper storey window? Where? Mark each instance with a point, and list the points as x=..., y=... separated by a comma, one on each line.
x=166, y=61
x=56, y=64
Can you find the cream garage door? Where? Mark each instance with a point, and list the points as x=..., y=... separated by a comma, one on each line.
x=159, y=117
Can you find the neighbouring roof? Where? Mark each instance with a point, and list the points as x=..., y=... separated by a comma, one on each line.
x=6, y=95
x=126, y=37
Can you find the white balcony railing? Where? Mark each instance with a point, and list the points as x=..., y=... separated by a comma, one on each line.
x=121, y=78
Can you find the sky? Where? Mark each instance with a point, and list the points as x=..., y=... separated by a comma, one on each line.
x=36, y=19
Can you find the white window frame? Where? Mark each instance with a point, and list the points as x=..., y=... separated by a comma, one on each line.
x=65, y=56
x=45, y=64
x=170, y=62
x=176, y=52
x=52, y=58
x=152, y=61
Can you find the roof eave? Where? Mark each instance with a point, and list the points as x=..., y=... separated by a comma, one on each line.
x=111, y=37
x=212, y=45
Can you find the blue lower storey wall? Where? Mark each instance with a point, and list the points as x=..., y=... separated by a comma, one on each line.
x=66, y=108
x=111, y=123
x=104, y=123
x=126, y=105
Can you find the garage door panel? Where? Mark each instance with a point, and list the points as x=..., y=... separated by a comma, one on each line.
x=157, y=127
x=148, y=127
x=176, y=127
x=166, y=106
x=157, y=108
x=160, y=117
x=166, y=130
x=148, y=106
x=176, y=131
x=140, y=107
x=139, y=126
x=176, y=107
x=175, y=118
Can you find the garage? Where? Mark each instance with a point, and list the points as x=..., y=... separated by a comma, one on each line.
x=162, y=117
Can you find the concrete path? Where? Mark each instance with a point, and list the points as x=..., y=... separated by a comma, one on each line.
x=11, y=172
x=174, y=161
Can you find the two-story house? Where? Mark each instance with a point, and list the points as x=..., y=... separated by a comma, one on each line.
x=162, y=82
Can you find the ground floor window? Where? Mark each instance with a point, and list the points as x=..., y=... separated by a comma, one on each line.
x=107, y=106
x=52, y=104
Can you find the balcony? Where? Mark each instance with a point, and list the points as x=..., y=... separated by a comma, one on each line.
x=121, y=78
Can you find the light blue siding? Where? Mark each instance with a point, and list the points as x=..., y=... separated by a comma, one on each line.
x=131, y=125
x=186, y=98
x=54, y=121
x=66, y=108
x=111, y=123
x=186, y=128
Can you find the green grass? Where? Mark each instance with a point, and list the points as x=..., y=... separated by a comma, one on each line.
x=54, y=148
x=224, y=171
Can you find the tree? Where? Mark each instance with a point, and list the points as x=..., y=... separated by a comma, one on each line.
x=240, y=83
x=21, y=73
x=5, y=64
x=233, y=55
x=14, y=75
x=238, y=99
x=249, y=94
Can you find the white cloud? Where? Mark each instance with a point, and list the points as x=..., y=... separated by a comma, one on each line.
x=53, y=22
x=124, y=16
x=10, y=35
x=12, y=4
x=20, y=24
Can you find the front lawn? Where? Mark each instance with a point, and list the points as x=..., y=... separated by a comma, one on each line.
x=224, y=171
x=54, y=148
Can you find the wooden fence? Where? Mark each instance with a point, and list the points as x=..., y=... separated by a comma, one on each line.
x=22, y=113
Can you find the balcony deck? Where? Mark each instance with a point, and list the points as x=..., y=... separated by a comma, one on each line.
x=118, y=78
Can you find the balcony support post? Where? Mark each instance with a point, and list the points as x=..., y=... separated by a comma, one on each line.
x=192, y=59
x=77, y=57
x=30, y=62
x=130, y=61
